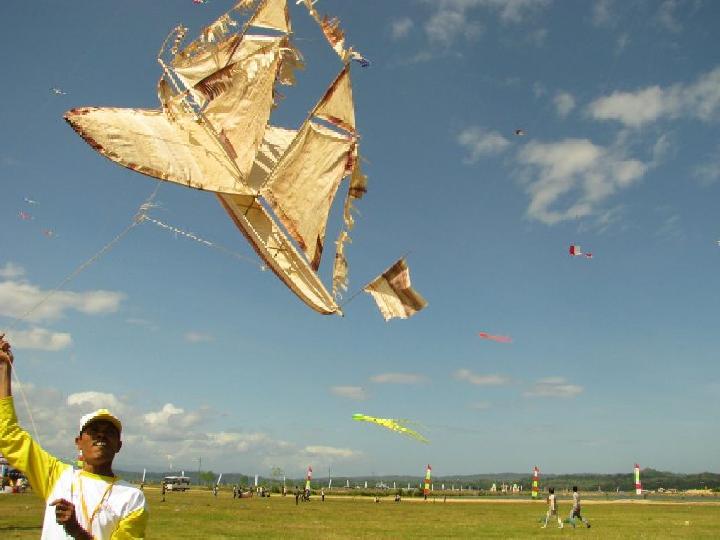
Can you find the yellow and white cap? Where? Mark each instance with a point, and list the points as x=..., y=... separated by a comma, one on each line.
x=101, y=414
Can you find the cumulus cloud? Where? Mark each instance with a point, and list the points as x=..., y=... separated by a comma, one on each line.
x=400, y=28
x=197, y=337
x=399, y=378
x=11, y=271
x=18, y=297
x=95, y=400
x=564, y=103
x=480, y=142
x=40, y=339
x=350, y=392
x=554, y=387
x=480, y=380
x=447, y=25
x=330, y=451
x=700, y=99
x=575, y=174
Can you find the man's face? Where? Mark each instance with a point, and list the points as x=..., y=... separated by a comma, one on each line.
x=99, y=441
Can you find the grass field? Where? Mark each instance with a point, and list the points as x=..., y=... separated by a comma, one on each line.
x=200, y=515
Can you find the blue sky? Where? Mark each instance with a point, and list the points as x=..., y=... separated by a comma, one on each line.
x=614, y=360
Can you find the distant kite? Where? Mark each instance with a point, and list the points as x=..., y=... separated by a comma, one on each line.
x=30, y=201
x=575, y=251
x=25, y=216
x=499, y=339
x=392, y=424
x=58, y=91
x=49, y=233
x=520, y=132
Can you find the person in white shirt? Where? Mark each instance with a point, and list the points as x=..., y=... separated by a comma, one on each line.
x=552, y=508
x=575, y=512
x=87, y=504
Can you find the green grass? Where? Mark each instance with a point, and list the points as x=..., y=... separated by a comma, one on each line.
x=197, y=514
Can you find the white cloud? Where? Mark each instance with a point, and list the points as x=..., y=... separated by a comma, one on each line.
x=95, y=400
x=447, y=25
x=575, y=172
x=171, y=416
x=554, y=387
x=666, y=16
x=700, y=100
x=399, y=378
x=16, y=298
x=602, y=12
x=330, y=451
x=480, y=142
x=400, y=28
x=480, y=380
x=197, y=337
x=708, y=172
x=350, y=392
x=40, y=339
x=564, y=103
x=11, y=271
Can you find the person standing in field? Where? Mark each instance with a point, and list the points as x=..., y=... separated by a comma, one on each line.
x=87, y=504
x=552, y=508
x=575, y=512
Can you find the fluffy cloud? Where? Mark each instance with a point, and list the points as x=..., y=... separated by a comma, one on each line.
x=480, y=142
x=350, y=392
x=400, y=28
x=40, y=339
x=700, y=100
x=480, y=380
x=398, y=378
x=95, y=400
x=11, y=271
x=330, y=451
x=554, y=387
x=564, y=103
x=197, y=337
x=17, y=298
x=575, y=172
x=447, y=25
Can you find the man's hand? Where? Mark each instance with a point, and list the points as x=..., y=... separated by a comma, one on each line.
x=6, y=355
x=65, y=516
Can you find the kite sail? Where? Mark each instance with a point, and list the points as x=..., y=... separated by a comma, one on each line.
x=535, y=482
x=491, y=337
x=638, y=484
x=576, y=251
x=391, y=424
x=393, y=292
x=426, y=485
x=212, y=133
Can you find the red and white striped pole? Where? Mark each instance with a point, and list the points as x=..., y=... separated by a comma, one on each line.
x=535, y=483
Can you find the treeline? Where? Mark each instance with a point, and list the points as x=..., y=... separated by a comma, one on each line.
x=651, y=480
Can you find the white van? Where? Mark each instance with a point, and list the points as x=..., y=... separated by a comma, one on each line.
x=176, y=483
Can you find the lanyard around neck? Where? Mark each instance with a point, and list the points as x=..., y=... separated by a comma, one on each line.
x=105, y=496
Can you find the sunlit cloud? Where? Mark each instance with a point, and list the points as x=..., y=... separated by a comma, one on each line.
x=330, y=451
x=700, y=100
x=40, y=339
x=350, y=392
x=198, y=337
x=480, y=142
x=95, y=400
x=554, y=387
x=399, y=378
x=480, y=380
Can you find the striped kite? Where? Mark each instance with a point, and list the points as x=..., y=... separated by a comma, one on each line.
x=393, y=424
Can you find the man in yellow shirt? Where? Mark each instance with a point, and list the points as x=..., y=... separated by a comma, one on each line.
x=91, y=503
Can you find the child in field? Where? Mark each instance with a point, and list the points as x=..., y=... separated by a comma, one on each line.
x=575, y=512
x=552, y=508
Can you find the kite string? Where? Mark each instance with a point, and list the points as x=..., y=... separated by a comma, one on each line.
x=136, y=221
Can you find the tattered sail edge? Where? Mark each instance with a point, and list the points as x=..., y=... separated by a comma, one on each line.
x=326, y=101
x=265, y=17
x=334, y=35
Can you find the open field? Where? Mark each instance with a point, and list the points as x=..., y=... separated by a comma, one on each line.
x=200, y=515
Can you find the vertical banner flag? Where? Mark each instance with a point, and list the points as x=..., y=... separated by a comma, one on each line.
x=309, y=477
x=428, y=473
x=535, y=482
x=638, y=485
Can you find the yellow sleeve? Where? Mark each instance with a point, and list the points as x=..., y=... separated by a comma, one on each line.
x=24, y=454
x=132, y=526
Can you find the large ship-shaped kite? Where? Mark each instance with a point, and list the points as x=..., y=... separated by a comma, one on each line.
x=213, y=133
